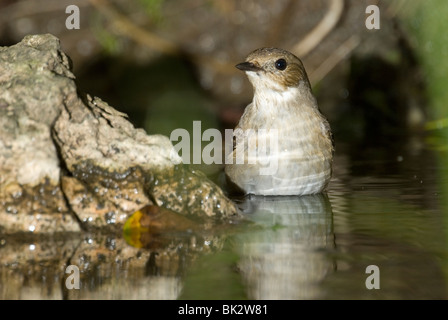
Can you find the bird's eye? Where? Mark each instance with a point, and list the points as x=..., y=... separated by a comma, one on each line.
x=280, y=64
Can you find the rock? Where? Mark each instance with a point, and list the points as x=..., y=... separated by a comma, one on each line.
x=34, y=76
x=70, y=161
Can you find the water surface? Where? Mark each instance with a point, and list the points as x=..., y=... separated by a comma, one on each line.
x=384, y=207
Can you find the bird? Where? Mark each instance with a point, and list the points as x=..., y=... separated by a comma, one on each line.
x=282, y=144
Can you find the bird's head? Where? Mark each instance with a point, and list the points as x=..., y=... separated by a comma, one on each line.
x=274, y=69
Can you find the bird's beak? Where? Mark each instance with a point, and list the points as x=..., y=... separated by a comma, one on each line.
x=247, y=66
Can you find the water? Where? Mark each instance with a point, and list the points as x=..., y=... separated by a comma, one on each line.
x=383, y=209
x=386, y=207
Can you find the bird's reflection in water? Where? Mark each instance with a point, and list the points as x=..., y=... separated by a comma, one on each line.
x=286, y=259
